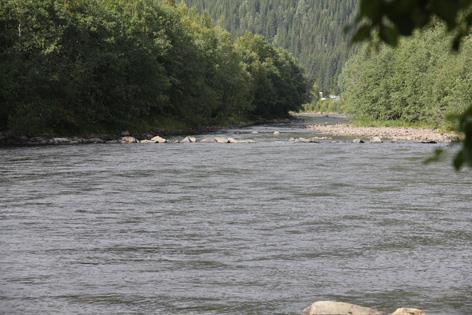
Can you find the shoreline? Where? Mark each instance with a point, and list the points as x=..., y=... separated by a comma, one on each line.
x=422, y=135
x=7, y=139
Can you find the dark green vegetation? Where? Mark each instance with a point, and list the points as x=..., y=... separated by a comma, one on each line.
x=92, y=66
x=418, y=82
x=388, y=20
x=311, y=29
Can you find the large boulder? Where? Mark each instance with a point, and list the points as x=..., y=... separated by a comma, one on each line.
x=158, y=139
x=408, y=311
x=339, y=308
x=128, y=140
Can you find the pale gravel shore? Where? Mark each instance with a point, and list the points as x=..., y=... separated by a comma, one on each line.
x=390, y=133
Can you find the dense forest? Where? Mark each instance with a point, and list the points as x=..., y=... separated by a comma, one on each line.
x=312, y=30
x=91, y=66
x=419, y=82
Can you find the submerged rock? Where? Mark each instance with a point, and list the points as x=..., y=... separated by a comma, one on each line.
x=339, y=308
x=128, y=140
x=304, y=140
x=147, y=142
x=91, y=140
x=408, y=311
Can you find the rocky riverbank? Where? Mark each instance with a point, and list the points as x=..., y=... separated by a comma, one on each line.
x=388, y=133
x=125, y=138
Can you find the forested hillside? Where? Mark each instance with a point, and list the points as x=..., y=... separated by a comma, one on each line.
x=418, y=82
x=70, y=67
x=311, y=29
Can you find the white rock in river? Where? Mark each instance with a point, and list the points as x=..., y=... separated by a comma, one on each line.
x=276, y=133
x=207, y=140
x=128, y=140
x=232, y=140
x=188, y=140
x=158, y=139
x=220, y=140
x=61, y=141
x=376, y=140
x=339, y=308
x=408, y=311
x=357, y=141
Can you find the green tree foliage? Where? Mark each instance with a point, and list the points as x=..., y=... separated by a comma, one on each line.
x=107, y=65
x=311, y=29
x=388, y=20
x=419, y=81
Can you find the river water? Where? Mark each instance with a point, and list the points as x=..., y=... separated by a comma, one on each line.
x=265, y=228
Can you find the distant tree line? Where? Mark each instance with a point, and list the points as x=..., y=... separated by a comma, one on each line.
x=90, y=66
x=418, y=82
x=313, y=30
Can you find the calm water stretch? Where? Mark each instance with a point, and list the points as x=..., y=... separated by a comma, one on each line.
x=265, y=228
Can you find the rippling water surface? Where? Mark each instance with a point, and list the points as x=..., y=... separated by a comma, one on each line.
x=263, y=228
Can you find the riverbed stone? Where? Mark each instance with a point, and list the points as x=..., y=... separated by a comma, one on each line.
x=91, y=140
x=221, y=140
x=158, y=139
x=408, y=311
x=276, y=133
x=147, y=142
x=129, y=140
x=232, y=140
x=188, y=139
x=61, y=140
x=339, y=308
x=358, y=141
x=376, y=140
x=207, y=140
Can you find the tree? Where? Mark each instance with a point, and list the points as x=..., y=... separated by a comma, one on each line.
x=388, y=20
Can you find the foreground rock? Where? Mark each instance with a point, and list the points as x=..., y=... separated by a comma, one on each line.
x=391, y=133
x=339, y=308
x=408, y=311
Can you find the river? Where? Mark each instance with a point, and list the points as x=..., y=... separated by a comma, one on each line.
x=265, y=228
